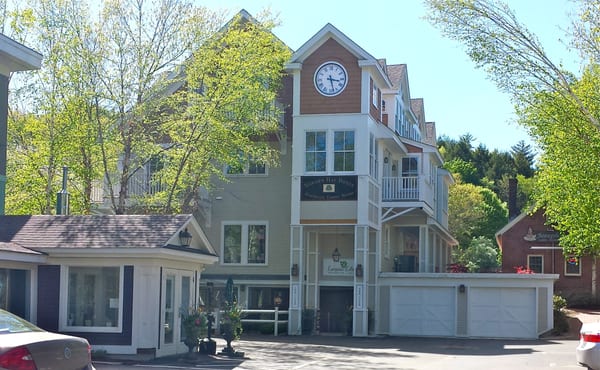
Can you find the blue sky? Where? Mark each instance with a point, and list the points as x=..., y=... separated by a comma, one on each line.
x=458, y=98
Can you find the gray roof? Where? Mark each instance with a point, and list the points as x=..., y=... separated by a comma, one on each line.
x=95, y=231
x=16, y=248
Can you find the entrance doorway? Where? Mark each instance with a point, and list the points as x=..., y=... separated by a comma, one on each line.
x=336, y=310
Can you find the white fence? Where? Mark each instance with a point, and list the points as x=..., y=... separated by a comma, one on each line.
x=275, y=320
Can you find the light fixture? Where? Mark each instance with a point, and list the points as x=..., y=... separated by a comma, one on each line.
x=277, y=300
x=359, y=270
x=336, y=255
x=386, y=160
x=294, y=271
x=185, y=238
x=461, y=288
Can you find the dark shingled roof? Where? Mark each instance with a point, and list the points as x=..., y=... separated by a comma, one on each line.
x=98, y=231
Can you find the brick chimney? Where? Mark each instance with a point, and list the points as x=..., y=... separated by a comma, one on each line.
x=513, y=211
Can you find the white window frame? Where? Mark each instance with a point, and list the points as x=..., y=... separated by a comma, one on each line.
x=529, y=263
x=579, y=264
x=330, y=151
x=244, y=241
x=327, y=154
x=375, y=96
x=343, y=151
x=246, y=170
x=64, y=296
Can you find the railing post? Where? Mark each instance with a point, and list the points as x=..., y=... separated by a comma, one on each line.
x=276, y=321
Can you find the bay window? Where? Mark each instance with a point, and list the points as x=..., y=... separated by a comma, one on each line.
x=330, y=151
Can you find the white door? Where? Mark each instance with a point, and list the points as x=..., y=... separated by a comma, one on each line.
x=502, y=312
x=423, y=311
x=177, y=295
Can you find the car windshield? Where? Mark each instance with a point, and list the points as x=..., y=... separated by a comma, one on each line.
x=10, y=323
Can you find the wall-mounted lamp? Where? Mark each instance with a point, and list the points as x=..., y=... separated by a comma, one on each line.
x=461, y=288
x=393, y=167
x=277, y=300
x=386, y=160
x=336, y=255
x=294, y=271
x=359, y=270
x=185, y=238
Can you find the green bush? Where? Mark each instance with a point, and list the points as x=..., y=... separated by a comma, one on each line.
x=558, y=303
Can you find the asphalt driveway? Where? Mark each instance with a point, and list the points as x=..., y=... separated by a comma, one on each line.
x=398, y=353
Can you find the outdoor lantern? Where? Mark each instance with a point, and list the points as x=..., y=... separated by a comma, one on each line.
x=461, y=288
x=295, y=269
x=277, y=300
x=336, y=255
x=185, y=238
x=359, y=270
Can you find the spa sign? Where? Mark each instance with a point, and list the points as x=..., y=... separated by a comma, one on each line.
x=329, y=188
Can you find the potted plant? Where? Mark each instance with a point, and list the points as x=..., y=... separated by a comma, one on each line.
x=231, y=327
x=194, y=324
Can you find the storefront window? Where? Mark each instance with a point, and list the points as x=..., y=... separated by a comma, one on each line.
x=93, y=296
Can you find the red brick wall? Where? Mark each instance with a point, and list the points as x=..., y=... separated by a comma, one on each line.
x=515, y=249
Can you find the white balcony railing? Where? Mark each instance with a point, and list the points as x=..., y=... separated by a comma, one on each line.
x=400, y=188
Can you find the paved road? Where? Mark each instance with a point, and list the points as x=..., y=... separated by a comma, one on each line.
x=340, y=353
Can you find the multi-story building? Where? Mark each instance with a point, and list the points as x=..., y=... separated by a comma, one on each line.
x=360, y=191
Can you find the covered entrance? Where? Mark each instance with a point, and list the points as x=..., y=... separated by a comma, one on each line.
x=335, y=310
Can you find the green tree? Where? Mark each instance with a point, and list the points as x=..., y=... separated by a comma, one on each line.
x=480, y=256
x=523, y=157
x=56, y=130
x=559, y=110
x=226, y=114
x=474, y=211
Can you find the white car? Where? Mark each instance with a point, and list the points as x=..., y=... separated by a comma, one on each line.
x=588, y=350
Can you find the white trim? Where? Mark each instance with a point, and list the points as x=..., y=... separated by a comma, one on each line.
x=244, y=242
x=17, y=57
x=580, y=262
x=542, y=264
x=63, y=305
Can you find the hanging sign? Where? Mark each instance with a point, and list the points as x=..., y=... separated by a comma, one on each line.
x=343, y=267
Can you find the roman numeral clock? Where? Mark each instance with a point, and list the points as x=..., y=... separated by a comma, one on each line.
x=331, y=79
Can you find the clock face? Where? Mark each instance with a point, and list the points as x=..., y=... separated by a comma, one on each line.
x=331, y=79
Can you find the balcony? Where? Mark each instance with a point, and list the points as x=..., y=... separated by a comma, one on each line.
x=400, y=188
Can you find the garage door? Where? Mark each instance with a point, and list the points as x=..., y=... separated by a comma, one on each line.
x=422, y=311
x=502, y=313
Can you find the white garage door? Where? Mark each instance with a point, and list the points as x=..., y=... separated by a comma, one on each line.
x=502, y=312
x=422, y=311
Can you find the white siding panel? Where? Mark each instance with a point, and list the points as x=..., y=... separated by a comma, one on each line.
x=427, y=311
x=502, y=312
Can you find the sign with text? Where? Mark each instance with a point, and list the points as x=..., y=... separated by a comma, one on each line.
x=329, y=188
x=343, y=267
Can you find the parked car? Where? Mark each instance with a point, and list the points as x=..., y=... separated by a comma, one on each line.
x=588, y=350
x=24, y=346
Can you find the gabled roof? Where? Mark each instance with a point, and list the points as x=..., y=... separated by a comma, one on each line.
x=398, y=75
x=43, y=232
x=324, y=34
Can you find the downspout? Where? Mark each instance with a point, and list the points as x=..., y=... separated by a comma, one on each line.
x=3, y=137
